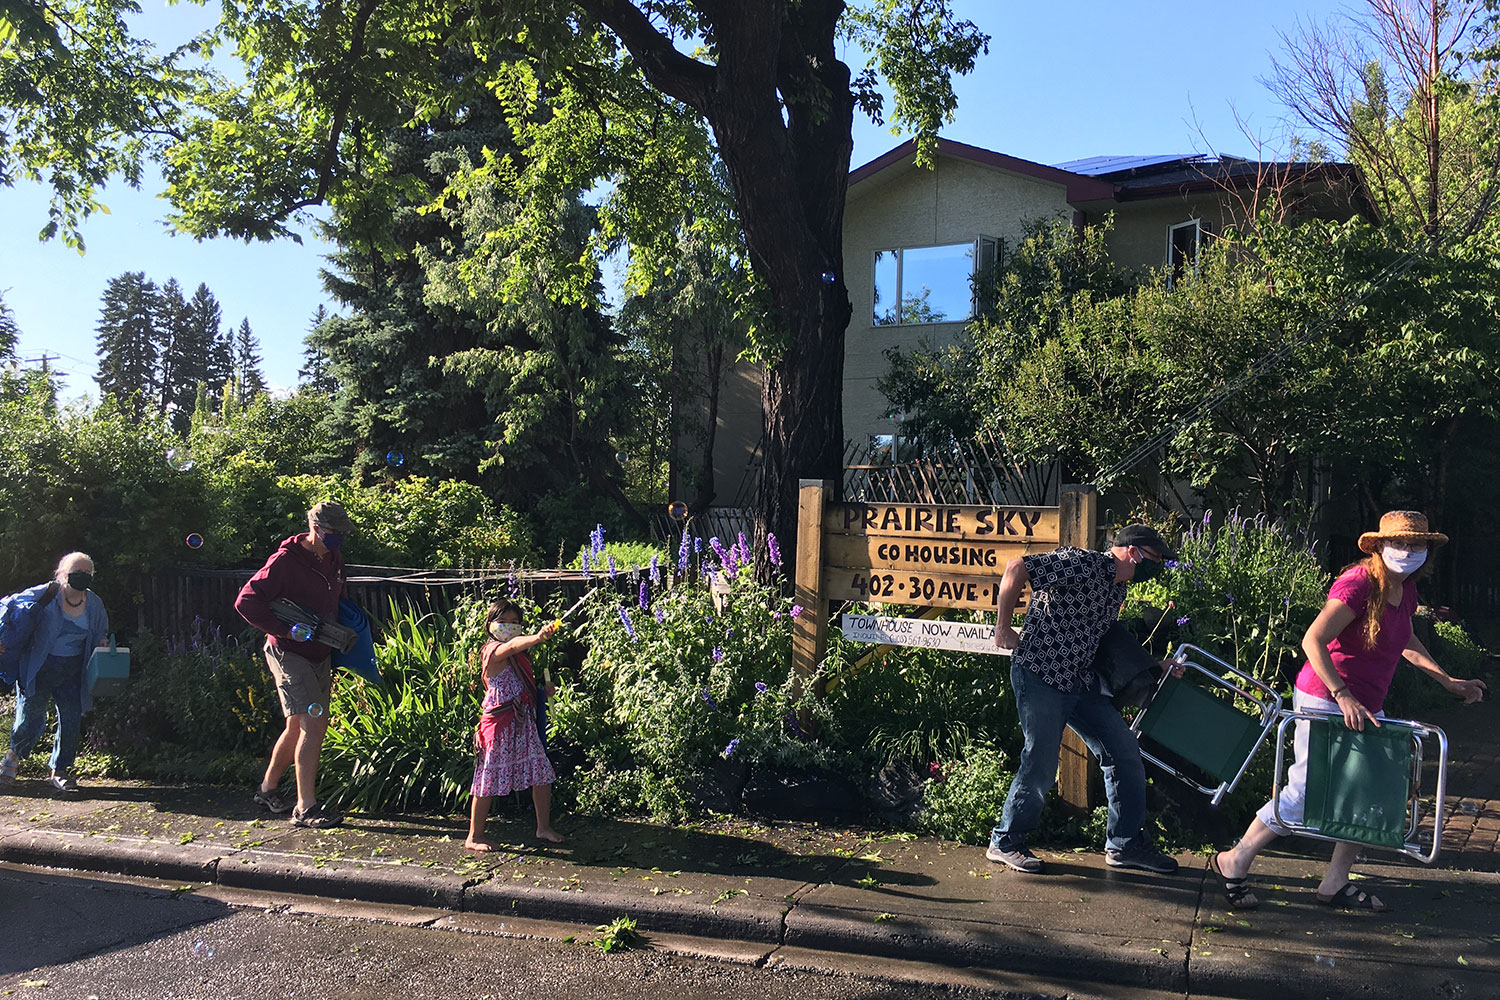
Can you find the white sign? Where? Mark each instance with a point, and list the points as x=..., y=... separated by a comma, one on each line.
x=968, y=637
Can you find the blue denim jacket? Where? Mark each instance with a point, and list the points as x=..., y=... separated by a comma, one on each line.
x=34, y=632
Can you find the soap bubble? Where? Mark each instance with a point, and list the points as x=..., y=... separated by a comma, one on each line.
x=677, y=510
x=302, y=632
x=829, y=277
x=315, y=710
x=179, y=459
x=1324, y=960
x=621, y=457
x=193, y=541
x=202, y=949
x=395, y=459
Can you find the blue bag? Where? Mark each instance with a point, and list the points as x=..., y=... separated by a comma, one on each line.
x=361, y=658
x=18, y=614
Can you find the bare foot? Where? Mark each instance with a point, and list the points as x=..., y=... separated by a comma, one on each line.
x=481, y=844
x=550, y=835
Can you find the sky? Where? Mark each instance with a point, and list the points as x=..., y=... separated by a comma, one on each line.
x=1062, y=81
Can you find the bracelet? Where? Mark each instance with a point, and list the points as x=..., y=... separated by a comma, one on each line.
x=1335, y=694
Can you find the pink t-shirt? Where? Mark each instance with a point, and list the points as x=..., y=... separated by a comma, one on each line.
x=1367, y=671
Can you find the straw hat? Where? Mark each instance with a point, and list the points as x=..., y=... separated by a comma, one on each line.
x=1401, y=526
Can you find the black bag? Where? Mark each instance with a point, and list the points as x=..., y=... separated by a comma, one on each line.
x=1130, y=672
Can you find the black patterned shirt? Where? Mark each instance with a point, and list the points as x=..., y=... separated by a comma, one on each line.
x=1074, y=598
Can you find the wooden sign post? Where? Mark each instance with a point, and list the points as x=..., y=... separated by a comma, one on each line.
x=927, y=555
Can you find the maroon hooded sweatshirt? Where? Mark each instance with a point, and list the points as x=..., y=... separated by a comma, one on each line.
x=298, y=575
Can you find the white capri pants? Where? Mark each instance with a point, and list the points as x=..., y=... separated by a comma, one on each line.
x=1294, y=792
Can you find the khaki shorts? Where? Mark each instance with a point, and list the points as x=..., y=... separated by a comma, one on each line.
x=300, y=683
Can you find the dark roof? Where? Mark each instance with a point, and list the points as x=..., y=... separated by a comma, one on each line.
x=1078, y=187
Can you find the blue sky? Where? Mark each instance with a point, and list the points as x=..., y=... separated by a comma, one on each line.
x=1062, y=80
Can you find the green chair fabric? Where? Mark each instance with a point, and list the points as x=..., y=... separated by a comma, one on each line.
x=1207, y=731
x=1359, y=783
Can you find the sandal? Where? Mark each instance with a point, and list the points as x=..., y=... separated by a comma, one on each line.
x=1237, y=891
x=1351, y=897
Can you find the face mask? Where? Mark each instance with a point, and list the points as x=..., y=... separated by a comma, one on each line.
x=1145, y=569
x=505, y=631
x=1401, y=560
x=80, y=580
x=333, y=541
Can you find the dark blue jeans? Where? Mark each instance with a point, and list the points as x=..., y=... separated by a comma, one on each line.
x=1044, y=712
x=60, y=681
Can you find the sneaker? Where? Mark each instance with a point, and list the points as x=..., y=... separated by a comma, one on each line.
x=273, y=800
x=63, y=783
x=9, y=765
x=1021, y=859
x=316, y=817
x=1140, y=856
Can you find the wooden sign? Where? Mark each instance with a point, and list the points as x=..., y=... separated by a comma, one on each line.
x=925, y=555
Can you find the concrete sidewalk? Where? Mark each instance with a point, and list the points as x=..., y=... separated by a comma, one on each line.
x=810, y=895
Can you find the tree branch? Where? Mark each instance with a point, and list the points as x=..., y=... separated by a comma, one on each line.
x=683, y=77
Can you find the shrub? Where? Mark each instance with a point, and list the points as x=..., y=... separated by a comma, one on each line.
x=197, y=706
x=964, y=796
x=674, y=686
x=1246, y=590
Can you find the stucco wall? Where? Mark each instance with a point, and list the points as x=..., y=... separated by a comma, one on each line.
x=955, y=202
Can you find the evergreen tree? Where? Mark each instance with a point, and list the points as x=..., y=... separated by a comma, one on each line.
x=248, y=379
x=128, y=342
x=209, y=344
x=180, y=370
x=314, y=373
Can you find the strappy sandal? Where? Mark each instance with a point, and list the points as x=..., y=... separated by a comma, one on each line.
x=1350, y=897
x=1237, y=891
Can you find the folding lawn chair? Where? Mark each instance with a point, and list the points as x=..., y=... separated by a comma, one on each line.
x=1205, y=731
x=1365, y=787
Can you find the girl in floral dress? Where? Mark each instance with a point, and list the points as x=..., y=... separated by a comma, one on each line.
x=508, y=749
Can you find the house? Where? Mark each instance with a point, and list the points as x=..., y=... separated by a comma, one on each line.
x=914, y=237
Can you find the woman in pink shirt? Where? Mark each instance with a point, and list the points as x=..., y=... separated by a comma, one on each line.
x=1353, y=649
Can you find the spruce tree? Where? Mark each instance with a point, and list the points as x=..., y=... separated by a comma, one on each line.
x=128, y=342
x=209, y=345
x=248, y=379
x=181, y=366
x=314, y=372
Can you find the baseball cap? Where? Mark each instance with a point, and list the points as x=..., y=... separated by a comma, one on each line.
x=1143, y=536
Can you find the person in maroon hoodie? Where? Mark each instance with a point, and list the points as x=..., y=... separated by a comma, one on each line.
x=307, y=570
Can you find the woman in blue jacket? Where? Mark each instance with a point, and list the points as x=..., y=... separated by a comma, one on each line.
x=49, y=640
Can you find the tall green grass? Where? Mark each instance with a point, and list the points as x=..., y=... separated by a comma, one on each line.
x=408, y=744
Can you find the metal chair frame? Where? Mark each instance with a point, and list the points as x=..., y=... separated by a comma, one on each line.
x=1419, y=732
x=1262, y=695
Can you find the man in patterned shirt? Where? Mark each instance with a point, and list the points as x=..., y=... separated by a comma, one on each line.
x=1075, y=595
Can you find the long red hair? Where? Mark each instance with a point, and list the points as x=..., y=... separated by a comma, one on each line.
x=1383, y=584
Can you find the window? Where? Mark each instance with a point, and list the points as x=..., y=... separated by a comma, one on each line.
x=1182, y=247
x=929, y=284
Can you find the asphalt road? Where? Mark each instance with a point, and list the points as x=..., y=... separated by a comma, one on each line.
x=67, y=936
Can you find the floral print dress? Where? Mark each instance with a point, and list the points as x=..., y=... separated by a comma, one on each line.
x=514, y=759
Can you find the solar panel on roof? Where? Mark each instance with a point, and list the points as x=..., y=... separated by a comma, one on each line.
x=1094, y=166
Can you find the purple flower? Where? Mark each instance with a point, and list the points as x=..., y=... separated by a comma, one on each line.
x=734, y=745
x=729, y=633
x=586, y=566
x=1229, y=596
x=655, y=570
x=661, y=615
x=708, y=619
x=761, y=687
x=791, y=722
x=717, y=654
x=697, y=546
x=744, y=549
x=774, y=548
x=625, y=620
x=796, y=611
x=682, y=553
x=775, y=614
x=644, y=601
x=1171, y=563
x=511, y=585
x=596, y=539
x=708, y=699
x=612, y=571
x=1183, y=620
x=719, y=550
